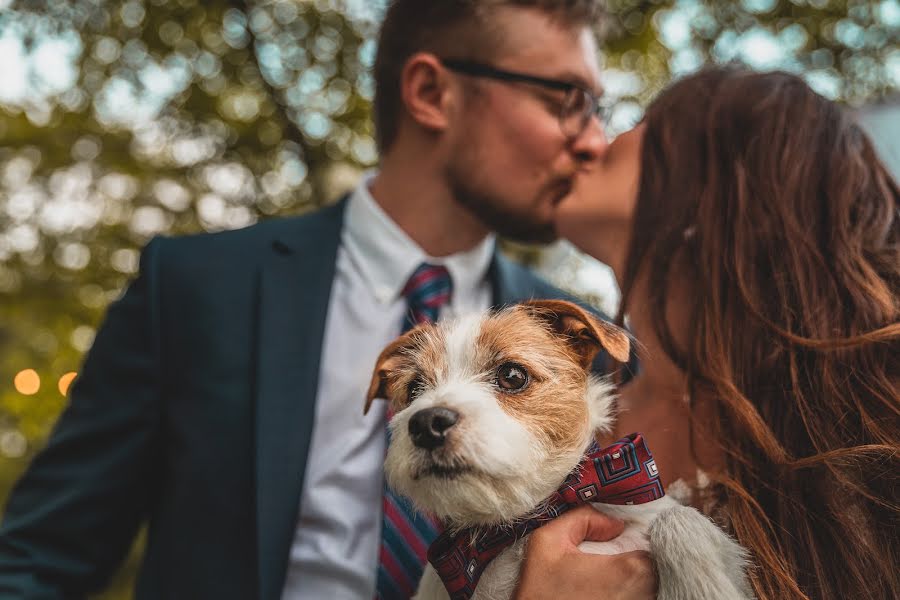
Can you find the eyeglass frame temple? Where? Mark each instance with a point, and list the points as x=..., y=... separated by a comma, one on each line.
x=467, y=67
x=474, y=68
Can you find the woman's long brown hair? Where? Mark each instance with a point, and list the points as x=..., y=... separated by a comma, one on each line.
x=768, y=204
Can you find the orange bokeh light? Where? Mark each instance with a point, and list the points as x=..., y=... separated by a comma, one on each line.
x=27, y=382
x=65, y=381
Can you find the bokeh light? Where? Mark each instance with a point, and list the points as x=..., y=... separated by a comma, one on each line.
x=27, y=382
x=65, y=381
x=13, y=444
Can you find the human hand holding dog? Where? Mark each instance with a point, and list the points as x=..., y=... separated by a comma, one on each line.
x=554, y=567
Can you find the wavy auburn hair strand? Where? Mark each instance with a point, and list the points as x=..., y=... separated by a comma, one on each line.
x=770, y=203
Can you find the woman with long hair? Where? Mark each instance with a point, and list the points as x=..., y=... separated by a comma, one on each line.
x=756, y=239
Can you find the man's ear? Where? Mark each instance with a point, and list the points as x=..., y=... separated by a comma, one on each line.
x=583, y=332
x=391, y=358
x=424, y=88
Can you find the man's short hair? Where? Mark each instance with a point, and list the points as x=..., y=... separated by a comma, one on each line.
x=461, y=28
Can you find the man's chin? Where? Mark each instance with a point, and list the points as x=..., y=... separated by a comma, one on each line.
x=498, y=217
x=545, y=234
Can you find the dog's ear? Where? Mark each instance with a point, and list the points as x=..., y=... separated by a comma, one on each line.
x=585, y=333
x=391, y=357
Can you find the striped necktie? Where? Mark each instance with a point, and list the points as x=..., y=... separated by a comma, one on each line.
x=406, y=534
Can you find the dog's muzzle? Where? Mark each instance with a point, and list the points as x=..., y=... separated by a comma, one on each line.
x=428, y=428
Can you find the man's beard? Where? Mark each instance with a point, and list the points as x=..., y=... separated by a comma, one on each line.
x=520, y=226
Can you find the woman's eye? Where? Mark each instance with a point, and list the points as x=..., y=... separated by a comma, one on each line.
x=414, y=388
x=512, y=377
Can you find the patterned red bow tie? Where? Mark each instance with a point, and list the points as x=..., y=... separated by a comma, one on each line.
x=623, y=473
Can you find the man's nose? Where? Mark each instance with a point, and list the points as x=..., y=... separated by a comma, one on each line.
x=591, y=143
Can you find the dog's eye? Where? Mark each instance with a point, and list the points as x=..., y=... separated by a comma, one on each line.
x=415, y=387
x=511, y=377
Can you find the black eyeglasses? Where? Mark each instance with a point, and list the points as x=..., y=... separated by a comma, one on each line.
x=578, y=106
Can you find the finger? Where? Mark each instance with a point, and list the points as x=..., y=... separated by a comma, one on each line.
x=630, y=575
x=598, y=527
x=638, y=567
x=583, y=524
x=634, y=557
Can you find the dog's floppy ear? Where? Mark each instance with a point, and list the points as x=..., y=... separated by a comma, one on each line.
x=387, y=362
x=585, y=333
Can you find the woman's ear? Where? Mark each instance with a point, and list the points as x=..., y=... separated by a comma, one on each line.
x=424, y=87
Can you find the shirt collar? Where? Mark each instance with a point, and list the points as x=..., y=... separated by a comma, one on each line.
x=386, y=256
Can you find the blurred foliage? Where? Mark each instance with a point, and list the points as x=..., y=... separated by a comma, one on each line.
x=145, y=117
x=847, y=50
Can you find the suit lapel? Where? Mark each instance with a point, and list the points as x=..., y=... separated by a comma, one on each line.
x=295, y=286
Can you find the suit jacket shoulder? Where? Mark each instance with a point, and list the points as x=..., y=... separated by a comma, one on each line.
x=249, y=245
x=516, y=283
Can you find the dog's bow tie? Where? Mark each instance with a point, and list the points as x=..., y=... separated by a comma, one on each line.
x=623, y=473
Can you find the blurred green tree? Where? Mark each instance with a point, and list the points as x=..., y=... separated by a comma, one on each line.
x=121, y=120
x=178, y=117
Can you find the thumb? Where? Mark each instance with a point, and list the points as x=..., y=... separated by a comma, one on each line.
x=596, y=526
x=586, y=523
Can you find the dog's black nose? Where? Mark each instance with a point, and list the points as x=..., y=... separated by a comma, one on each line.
x=428, y=427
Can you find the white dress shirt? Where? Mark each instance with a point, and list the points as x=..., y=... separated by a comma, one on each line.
x=336, y=544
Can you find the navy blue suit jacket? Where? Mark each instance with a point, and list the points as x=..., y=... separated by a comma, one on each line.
x=193, y=411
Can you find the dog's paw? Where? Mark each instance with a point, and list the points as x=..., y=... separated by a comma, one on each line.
x=695, y=559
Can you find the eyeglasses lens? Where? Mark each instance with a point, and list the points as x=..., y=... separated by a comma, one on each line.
x=576, y=112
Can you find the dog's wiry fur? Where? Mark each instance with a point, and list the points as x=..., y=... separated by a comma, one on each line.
x=511, y=449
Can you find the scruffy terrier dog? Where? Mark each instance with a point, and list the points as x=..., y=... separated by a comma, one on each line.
x=494, y=417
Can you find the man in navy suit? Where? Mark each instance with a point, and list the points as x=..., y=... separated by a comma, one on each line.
x=222, y=401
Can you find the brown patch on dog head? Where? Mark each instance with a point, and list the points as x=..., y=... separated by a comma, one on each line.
x=552, y=404
x=389, y=359
x=416, y=353
x=584, y=333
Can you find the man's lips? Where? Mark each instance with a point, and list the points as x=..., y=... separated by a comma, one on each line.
x=561, y=189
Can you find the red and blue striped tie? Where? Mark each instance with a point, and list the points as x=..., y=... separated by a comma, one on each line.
x=426, y=291
x=406, y=534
